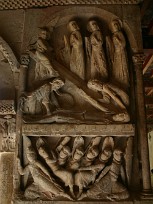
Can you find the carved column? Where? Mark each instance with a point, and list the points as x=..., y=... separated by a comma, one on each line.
x=141, y=123
x=24, y=62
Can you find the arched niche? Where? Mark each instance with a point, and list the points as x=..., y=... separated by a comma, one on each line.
x=8, y=71
x=58, y=24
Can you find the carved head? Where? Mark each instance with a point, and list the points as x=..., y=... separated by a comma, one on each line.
x=43, y=152
x=92, y=153
x=106, y=154
x=31, y=154
x=92, y=26
x=78, y=154
x=57, y=83
x=117, y=155
x=44, y=33
x=115, y=26
x=95, y=85
x=73, y=26
x=65, y=152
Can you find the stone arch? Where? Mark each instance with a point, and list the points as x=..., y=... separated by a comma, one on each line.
x=133, y=43
x=9, y=69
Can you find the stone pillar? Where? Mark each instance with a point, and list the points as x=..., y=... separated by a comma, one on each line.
x=141, y=124
x=6, y=177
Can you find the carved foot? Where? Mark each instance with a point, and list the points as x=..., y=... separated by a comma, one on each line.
x=121, y=117
x=83, y=195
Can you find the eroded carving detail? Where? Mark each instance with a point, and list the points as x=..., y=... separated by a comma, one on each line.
x=138, y=58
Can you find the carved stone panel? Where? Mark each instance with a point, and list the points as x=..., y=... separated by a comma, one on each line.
x=68, y=108
x=75, y=168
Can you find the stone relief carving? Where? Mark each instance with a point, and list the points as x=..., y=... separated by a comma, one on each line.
x=118, y=55
x=103, y=92
x=7, y=125
x=76, y=169
x=77, y=63
x=7, y=132
x=44, y=68
x=96, y=53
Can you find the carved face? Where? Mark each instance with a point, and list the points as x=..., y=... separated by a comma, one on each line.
x=43, y=152
x=115, y=26
x=73, y=26
x=77, y=154
x=94, y=85
x=92, y=26
x=43, y=34
x=106, y=154
x=117, y=154
x=31, y=156
x=57, y=84
x=92, y=153
x=64, y=153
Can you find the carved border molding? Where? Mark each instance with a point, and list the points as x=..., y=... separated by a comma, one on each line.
x=24, y=4
x=75, y=130
x=8, y=53
x=7, y=107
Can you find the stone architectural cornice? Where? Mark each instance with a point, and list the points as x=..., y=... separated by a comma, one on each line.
x=24, y=4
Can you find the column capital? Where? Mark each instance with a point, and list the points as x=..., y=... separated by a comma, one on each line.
x=138, y=58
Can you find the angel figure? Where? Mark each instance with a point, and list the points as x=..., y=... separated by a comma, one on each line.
x=96, y=52
x=43, y=183
x=116, y=47
x=87, y=175
x=44, y=68
x=108, y=185
x=77, y=63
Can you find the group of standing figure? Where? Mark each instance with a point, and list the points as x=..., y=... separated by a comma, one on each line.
x=95, y=55
x=91, y=169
